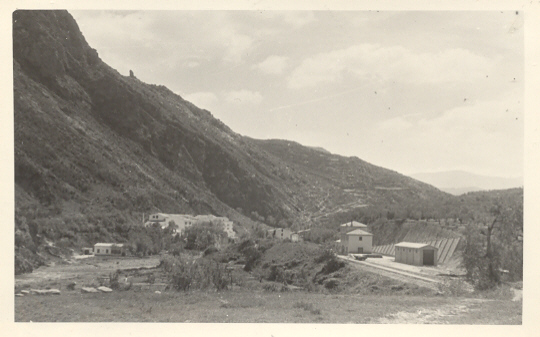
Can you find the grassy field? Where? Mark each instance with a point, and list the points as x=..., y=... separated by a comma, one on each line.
x=262, y=307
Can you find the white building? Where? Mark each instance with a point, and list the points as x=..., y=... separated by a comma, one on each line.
x=419, y=254
x=109, y=249
x=183, y=221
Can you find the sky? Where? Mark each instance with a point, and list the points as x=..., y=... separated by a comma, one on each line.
x=412, y=91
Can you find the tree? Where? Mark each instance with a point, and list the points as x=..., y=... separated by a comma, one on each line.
x=495, y=246
x=202, y=236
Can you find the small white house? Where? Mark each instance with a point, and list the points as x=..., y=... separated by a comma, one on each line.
x=358, y=242
x=117, y=249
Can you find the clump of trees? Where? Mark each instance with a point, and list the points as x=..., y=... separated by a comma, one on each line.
x=202, y=235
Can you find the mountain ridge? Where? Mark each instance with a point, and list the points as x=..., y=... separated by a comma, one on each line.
x=95, y=150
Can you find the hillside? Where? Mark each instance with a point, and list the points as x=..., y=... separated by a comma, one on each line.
x=95, y=151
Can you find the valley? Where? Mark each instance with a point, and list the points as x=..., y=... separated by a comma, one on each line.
x=97, y=153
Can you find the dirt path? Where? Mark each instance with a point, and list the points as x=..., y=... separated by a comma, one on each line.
x=394, y=273
x=441, y=315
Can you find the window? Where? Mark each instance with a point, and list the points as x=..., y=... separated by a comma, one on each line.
x=359, y=238
x=106, y=251
x=98, y=250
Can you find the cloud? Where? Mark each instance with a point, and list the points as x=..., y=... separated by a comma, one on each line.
x=273, y=65
x=484, y=137
x=205, y=100
x=379, y=63
x=298, y=18
x=243, y=97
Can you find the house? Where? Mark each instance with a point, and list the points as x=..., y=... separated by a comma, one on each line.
x=357, y=241
x=183, y=221
x=418, y=254
x=117, y=249
x=279, y=233
x=87, y=251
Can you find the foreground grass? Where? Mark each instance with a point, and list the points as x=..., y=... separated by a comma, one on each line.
x=262, y=307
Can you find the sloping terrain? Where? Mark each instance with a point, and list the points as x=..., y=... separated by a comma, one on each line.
x=95, y=151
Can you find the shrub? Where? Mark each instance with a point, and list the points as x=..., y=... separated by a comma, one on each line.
x=332, y=265
x=325, y=255
x=113, y=280
x=331, y=283
x=151, y=278
x=271, y=287
x=196, y=274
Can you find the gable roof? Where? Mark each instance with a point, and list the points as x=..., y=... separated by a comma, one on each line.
x=359, y=232
x=414, y=245
x=354, y=224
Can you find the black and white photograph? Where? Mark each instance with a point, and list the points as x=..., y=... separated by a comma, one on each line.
x=354, y=166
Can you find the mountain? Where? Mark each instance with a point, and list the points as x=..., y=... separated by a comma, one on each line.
x=459, y=182
x=95, y=151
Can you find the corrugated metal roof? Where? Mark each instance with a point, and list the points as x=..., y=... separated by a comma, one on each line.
x=413, y=245
x=354, y=224
x=359, y=232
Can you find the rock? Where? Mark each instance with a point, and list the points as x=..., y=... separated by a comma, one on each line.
x=19, y=295
x=104, y=289
x=45, y=292
x=88, y=290
x=158, y=292
x=25, y=292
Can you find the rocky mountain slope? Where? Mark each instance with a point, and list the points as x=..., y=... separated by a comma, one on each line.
x=96, y=150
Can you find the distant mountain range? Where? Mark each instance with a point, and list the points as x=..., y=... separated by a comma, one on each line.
x=459, y=182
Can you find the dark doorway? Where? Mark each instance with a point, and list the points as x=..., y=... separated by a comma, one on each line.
x=360, y=250
x=429, y=257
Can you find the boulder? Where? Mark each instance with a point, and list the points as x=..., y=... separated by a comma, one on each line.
x=88, y=290
x=19, y=295
x=25, y=292
x=104, y=289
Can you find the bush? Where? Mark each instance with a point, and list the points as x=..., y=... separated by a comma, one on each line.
x=325, y=255
x=196, y=274
x=331, y=283
x=332, y=265
x=113, y=280
x=271, y=287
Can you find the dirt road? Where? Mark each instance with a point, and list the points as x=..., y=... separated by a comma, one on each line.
x=423, y=281
x=82, y=270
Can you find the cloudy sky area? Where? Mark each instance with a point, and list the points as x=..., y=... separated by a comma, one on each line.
x=410, y=91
